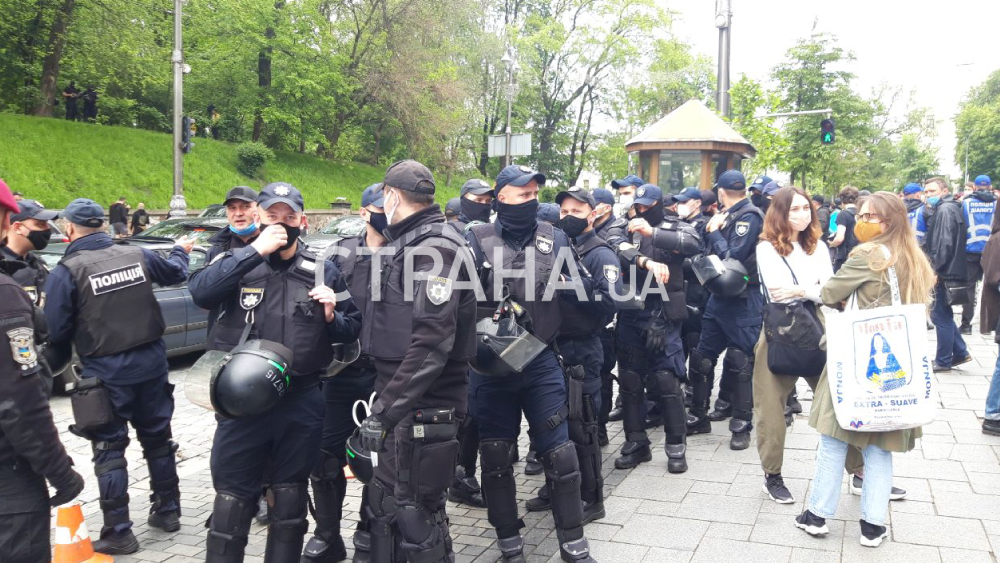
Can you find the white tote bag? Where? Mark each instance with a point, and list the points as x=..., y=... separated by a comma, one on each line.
x=878, y=365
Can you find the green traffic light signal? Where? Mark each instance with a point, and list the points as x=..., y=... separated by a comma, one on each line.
x=827, y=131
x=827, y=138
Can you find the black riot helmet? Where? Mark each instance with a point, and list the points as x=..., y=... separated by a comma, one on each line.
x=359, y=459
x=504, y=347
x=251, y=379
x=725, y=278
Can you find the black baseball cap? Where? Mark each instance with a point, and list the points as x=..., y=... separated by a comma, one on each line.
x=630, y=180
x=708, y=198
x=84, y=212
x=732, y=180
x=31, y=209
x=241, y=193
x=687, y=194
x=410, y=176
x=602, y=195
x=517, y=175
x=648, y=194
x=579, y=194
x=281, y=192
x=453, y=208
x=373, y=195
x=760, y=182
x=475, y=187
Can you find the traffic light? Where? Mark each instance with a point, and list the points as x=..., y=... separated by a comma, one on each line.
x=188, y=130
x=828, y=132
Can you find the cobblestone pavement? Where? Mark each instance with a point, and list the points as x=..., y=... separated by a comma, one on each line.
x=715, y=512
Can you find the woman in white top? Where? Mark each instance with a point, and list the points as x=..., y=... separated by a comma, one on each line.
x=794, y=264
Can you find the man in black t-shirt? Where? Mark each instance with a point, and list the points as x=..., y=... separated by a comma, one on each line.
x=844, y=240
x=118, y=217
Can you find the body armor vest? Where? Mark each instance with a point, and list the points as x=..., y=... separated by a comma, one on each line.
x=578, y=321
x=114, y=297
x=979, y=218
x=386, y=332
x=278, y=303
x=545, y=315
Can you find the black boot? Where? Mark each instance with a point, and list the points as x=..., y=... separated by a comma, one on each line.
x=116, y=544
x=466, y=490
x=562, y=472
x=541, y=502
x=165, y=494
x=741, y=434
x=676, y=458
x=531, y=464
x=329, y=487
x=698, y=424
x=602, y=436
x=511, y=549
x=615, y=415
x=793, y=403
x=633, y=453
x=723, y=410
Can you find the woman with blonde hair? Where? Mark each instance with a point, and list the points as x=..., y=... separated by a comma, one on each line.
x=886, y=240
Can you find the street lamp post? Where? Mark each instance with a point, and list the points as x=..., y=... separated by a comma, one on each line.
x=511, y=65
x=723, y=21
x=178, y=206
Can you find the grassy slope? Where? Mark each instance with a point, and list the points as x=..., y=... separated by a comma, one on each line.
x=56, y=161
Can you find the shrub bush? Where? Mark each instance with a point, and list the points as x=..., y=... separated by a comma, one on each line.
x=252, y=156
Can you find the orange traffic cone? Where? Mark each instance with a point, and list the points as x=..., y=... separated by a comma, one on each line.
x=73, y=540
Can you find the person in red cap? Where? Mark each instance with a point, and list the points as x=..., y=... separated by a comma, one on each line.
x=30, y=450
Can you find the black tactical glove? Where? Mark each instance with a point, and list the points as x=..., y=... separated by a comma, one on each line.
x=67, y=488
x=373, y=433
x=656, y=335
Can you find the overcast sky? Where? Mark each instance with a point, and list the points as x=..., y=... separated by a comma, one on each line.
x=937, y=49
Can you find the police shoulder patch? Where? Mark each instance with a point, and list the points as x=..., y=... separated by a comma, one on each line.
x=22, y=347
x=611, y=273
x=742, y=228
x=438, y=289
x=543, y=244
x=250, y=297
x=32, y=293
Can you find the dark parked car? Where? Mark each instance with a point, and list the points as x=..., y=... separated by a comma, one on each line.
x=201, y=228
x=214, y=210
x=187, y=324
x=343, y=227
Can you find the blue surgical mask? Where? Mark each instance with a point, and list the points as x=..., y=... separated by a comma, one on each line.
x=933, y=200
x=244, y=232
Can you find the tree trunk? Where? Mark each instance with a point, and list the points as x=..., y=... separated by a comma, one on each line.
x=263, y=83
x=53, y=57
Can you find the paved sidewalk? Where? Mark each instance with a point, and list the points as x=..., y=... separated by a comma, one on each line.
x=716, y=512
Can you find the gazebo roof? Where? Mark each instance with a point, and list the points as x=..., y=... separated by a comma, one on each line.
x=693, y=122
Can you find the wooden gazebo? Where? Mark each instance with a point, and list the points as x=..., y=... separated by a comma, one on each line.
x=690, y=146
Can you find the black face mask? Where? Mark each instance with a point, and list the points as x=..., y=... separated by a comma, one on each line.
x=39, y=239
x=378, y=221
x=572, y=226
x=756, y=199
x=519, y=219
x=293, y=235
x=764, y=204
x=653, y=215
x=476, y=211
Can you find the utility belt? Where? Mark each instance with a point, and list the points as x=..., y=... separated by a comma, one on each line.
x=563, y=337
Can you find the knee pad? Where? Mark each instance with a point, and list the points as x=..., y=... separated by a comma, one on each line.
x=630, y=381
x=700, y=367
x=381, y=507
x=672, y=404
x=228, y=528
x=691, y=340
x=329, y=467
x=423, y=533
x=499, y=487
x=740, y=363
x=288, y=513
x=562, y=472
x=158, y=446
x=631, y=357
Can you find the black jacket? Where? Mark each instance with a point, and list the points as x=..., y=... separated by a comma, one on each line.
x=944, y=242
x=27, y=431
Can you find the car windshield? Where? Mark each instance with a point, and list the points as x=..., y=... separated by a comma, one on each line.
x=174, y=231
x=51, y=259
x=214, y=211
x=345, y=226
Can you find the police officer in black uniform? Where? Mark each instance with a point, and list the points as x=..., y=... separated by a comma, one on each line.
x=30, y=450
x=30, y=230
x=420, y=330
x=650, y=347
x=91, y=299
x=476, y=201
x=352, y=256
x=504, y=250
x=273, y=281
x=605, y=218
x=579, y=344
x=730, y=323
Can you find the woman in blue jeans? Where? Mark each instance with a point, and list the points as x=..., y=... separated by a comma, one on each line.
x=882, y=224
